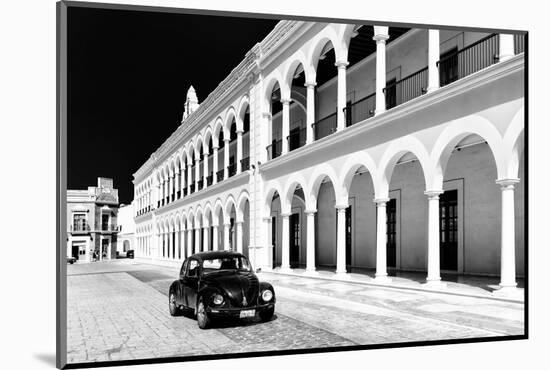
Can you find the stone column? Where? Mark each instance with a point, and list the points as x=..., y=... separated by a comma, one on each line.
x=197, y=246
x=507, y=236
x=434, y=277
x=433, y=57
x=341, y=95
x=205, y=175
x=177, y=245
x=165, y=194
x=381, y=240
x=310, y=259
x=226, y=228
x=205, y=237
x=310, y=115
x=286, y=125
x=189, y=177
x=269, y=251
x=226, y=159
x=380, y=36
x=506, y=42
x=239, y=236
x=189, y=241
x=239, y=150
x=170, y=244
x=285, y=262
x=215, y=166
x=341, y=239
x=215, y=237
x=197, y=172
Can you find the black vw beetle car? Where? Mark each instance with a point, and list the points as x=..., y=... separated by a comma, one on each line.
x=220, y=284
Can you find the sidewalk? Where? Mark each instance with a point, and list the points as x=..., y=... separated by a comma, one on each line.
x=460, y=285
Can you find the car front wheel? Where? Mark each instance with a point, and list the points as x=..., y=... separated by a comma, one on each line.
x=266, y=315
x=202, y=316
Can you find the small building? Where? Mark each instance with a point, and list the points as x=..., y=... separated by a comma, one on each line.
x=126, y=228
x=92, y=222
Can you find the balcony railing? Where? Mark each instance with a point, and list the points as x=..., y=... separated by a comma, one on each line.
x=472, y=58
x=324, y=126
x=219, y=175
x=232, y=169
x=192, y=188
x=209, y=179
x=178, y=194
x=245, y=164
x=200, y=183
x=406, y=88
x=296, y=139
x=172, y=197
x=519, y=44
x=80, y=228
x=184, y=191
x=274, y=150
x=360, y=110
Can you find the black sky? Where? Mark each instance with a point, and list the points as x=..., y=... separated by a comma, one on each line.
x=128, y=75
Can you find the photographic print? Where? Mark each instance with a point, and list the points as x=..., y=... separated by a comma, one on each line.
x=245, y=185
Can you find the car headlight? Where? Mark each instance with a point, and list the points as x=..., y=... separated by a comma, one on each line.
x=217, y=299
x=267, y=295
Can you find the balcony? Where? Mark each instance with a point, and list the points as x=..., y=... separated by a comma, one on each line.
x=209, y=179
x=360, y=110
x=472, y=58
x=82, y=228
x=245, y=164
x=296, y=139
x=407, y=88
x=231, y=169
x=325, y=126
x=274, y=150
x=109, y=228
x=219, y=175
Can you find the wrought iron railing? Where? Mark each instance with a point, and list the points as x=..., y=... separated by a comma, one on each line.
x=219, y=175
x=209, y=179
x=80, y=228
x=325, y=126
x=231, y=169
x=199, y=184
x=407, y=88
x=519, y=43
x=275, y=149
x=360, y=110
x=296, y=139
x=477, y=56
x=184, y=191
x=245, y=164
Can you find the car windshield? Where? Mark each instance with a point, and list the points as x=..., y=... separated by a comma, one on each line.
x=225, y=263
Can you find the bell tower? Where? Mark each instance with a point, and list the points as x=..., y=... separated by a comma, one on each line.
x=191, y=103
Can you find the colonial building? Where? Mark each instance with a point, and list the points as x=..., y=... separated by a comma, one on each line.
x=350, y=148
x=92, y=222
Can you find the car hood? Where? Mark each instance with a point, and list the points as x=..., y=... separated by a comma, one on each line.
x=241, y=288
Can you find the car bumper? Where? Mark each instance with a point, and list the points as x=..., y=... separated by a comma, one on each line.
x=236, y=312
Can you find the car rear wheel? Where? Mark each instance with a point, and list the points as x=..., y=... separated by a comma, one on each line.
x=172, y=305
x=202, y=316
x=266, y=315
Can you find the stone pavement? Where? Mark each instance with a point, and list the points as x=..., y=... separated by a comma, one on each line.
x=118, y=310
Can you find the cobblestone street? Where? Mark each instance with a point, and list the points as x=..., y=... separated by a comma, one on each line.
x=118, y=310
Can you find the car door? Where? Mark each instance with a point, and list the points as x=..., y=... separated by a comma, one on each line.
x=191, y=283
x=180, y=299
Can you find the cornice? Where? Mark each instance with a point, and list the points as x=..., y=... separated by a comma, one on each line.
x=485, y=76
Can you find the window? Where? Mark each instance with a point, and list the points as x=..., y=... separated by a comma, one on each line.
x=193, y=268
x=79, y=221
x=104, y=222
x=227, y=263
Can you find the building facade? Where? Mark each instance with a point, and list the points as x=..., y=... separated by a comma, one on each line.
x=92, y=222
x=126, y=228
x=351, y=148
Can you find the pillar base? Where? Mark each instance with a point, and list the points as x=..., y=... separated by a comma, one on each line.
x=285, y=269
x=311, y=272
x=382, y=279
x=508, y=291
x=343, y=274
x=435, y=284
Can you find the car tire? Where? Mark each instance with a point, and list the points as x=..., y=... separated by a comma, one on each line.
x=172, y=305
x=203, y=320
x=266, y=315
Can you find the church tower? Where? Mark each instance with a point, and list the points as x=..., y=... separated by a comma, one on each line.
x=191, y=103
